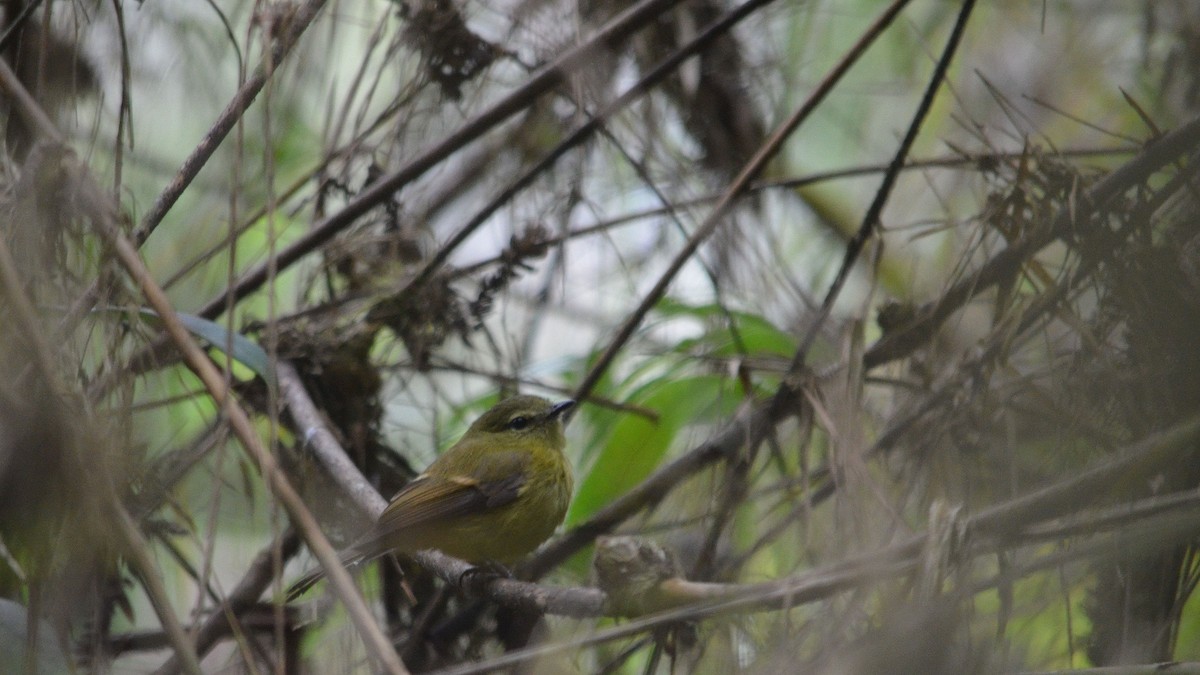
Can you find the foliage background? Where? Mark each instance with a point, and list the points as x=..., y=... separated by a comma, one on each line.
x=366, y=186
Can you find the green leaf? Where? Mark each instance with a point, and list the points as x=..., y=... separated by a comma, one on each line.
x=758, y=336
x=636, y=446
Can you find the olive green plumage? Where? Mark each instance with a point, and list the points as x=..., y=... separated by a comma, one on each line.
x=494, y=496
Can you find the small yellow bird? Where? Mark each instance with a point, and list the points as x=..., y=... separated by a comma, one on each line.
x=494, y=496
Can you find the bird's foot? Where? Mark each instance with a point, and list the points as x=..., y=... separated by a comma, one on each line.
x=480, y=574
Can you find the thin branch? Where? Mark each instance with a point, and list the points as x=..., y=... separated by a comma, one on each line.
x=731, y=494
x=137, y=550
x=738, y=185
x=301, y=518
x=26, y=315
x=546, y=78
x=244, y=595
x=1154, y=157
x=956, y=162
x=27, y=107
x=584, y=132
x=871, y=220
x=134, y=543
x=296, y=22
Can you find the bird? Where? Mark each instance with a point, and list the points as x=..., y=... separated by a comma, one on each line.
x=491, y=498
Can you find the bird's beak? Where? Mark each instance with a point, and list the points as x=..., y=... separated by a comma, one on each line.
x=559, y=409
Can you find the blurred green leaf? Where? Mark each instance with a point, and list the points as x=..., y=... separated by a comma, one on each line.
x=636, y=446
x=757, y=335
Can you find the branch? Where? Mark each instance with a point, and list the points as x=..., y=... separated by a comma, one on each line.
x=137, y=550
x=546, y=78
x=243, y=596
x=134, y=544
x=310, y=426
x=736, y=187
x=294, y=24
x=333, y=458
x=301, y=518
x=1154, y=156
x=585, y=131
x=376, y=642
x=871, y=220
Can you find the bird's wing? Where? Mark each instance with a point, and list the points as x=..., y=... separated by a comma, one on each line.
x=494, y=482
x=432, y=497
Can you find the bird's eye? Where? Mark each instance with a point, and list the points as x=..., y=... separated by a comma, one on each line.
x=518, y=423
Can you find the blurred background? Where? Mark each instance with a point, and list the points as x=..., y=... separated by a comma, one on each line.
x=425, y=205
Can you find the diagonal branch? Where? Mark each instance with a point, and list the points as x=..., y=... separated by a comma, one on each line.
x=587, y=130
x=736, y=187
x=547, y=77
x=299, y=514
x=218, y=388
x=243, y=596
x=1155, y=156
x=294, y=25
x=871, y=220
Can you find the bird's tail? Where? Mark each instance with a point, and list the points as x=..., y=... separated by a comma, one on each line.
x=349, y=559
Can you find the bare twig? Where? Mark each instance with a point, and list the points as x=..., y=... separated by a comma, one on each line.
x=134, y=544
x=585, y=131
x=547, y=77
x=1155, y=156
x=871, y=220
x=375, y=640
x=27, y=107
x=297, y=21
x=738, y=185
x=303, y=520
x=244, y=595
x=138, y=551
